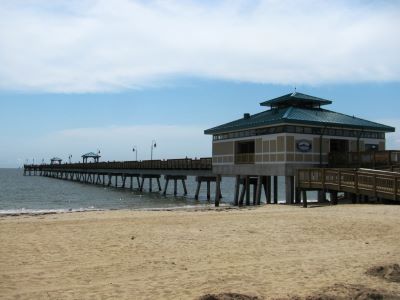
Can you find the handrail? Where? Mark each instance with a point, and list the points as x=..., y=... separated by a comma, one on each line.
x=364, y=159
x=358, y=181
x=170, y=164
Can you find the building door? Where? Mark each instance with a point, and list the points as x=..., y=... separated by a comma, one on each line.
x=341, y=146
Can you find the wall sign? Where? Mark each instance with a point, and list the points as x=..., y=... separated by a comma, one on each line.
x=304, y=146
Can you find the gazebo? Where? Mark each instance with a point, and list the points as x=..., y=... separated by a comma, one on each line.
x=55, y=161
x=95, y=157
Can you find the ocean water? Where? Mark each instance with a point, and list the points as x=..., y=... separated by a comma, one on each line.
x=35, y=194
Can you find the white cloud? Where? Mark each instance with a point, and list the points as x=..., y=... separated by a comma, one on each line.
x=102, y=45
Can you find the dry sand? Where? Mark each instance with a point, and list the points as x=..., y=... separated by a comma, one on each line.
x=270, y=252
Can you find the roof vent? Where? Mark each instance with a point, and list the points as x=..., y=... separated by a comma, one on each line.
x=246, y=116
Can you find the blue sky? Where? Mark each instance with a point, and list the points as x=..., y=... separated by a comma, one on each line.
x=86, y=75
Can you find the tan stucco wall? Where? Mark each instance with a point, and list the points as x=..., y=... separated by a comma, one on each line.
x=223, y=148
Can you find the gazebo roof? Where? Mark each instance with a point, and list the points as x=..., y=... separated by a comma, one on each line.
x=298, y=108
x=90, y=155
x=297, y=100
x=56, y=159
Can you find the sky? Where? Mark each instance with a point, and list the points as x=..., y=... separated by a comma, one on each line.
x=88, y=75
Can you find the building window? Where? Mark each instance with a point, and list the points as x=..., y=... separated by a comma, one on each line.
x=300, y=130
x=371, y=147
x=245, y=152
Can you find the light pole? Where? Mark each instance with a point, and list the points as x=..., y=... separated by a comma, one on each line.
x=153, y=145
x=134, y=149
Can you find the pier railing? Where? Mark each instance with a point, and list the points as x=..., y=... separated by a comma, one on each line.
x=170, y=164
x=370, y=159
x=368, y=182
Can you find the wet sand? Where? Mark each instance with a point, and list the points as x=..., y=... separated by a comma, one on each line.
x=274, y=252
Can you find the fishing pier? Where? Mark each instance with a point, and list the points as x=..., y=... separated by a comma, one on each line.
x=314, y=149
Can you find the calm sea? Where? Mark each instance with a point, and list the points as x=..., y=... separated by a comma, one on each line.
x=35, y=194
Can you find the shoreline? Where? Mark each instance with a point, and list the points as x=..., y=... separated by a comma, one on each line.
x=42, y=212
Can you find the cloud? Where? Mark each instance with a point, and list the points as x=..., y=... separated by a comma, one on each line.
x=102, y=45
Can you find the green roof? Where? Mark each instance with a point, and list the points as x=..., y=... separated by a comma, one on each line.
x=55, y=159
x=298, y=114
x=91, y=154
x=296, y=99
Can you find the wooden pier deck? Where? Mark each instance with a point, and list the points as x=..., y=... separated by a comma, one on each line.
x=362, y=180
x=115, y=174
x=356, y=182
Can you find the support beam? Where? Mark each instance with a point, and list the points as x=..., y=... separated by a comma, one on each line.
x=242, y=193
x=305, y=200
x=258, y=191
x=208, y=190
x=217, y=190
x=185, y=192
x=159, y=184
x=275, y=189
x=289, y=184
x=247, y=183
x=141, y=185
x=334, y=197
x=166, y=186
x=267, y=189
x=175, y=187
x=196, y=196
x=237, y=188
x=321, y=197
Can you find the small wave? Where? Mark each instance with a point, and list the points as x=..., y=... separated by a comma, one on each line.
x=35, y=212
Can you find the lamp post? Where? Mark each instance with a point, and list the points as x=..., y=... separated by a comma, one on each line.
x=153, y=145
x=134, y=149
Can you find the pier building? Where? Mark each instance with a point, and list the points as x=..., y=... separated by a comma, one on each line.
x=294, y=132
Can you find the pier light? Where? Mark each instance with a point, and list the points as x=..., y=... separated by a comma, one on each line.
x=153, y=145
x=134, y=149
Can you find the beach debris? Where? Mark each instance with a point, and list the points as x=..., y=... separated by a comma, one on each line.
x=389, y=273
x=133, y=238
x=229, y=296
x=344, y=292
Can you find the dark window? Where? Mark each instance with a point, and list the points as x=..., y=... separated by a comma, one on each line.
x=371, y=147
x=339, y=145
x=245, y=152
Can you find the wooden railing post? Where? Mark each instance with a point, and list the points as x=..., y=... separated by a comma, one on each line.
x=356, y=180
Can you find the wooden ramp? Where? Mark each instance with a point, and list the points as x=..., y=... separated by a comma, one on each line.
x=367, y=182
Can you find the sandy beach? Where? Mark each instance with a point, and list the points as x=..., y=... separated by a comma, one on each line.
x=274, y=252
